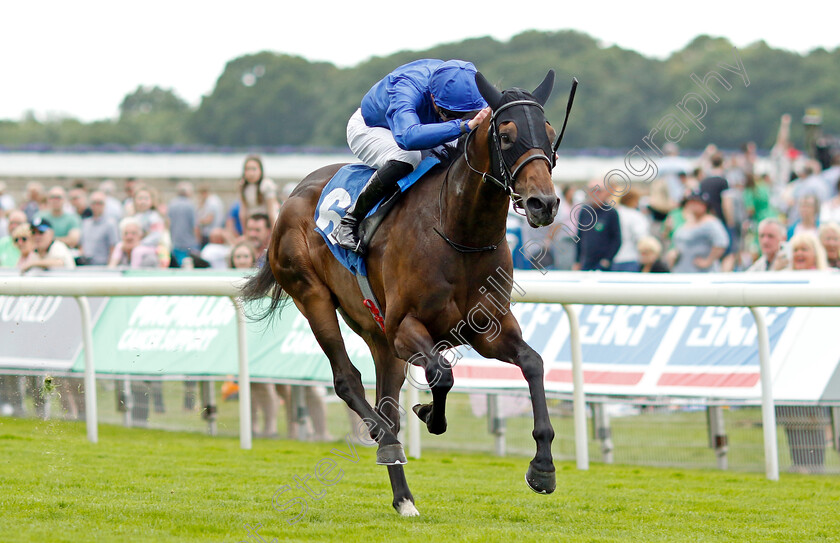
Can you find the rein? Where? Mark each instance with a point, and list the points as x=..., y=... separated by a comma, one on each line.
x=457, y=246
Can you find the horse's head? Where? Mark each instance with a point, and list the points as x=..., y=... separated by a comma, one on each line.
x=520, y=146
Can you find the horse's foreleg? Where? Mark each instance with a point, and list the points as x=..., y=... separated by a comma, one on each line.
x=414, y=344
x=510, y=347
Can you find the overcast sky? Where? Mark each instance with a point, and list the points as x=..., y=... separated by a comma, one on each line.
x=81, y=57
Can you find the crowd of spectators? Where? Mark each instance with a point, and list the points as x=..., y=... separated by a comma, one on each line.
x=89, y=225
x=714, y=212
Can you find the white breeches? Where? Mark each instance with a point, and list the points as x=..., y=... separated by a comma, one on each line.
x=374, y=145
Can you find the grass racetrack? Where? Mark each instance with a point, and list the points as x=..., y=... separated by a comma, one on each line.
x=151, y=485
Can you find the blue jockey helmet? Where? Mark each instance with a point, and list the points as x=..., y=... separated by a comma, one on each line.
x=453, y=86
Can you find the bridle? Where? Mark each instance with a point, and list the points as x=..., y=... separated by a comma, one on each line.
x=499, y=167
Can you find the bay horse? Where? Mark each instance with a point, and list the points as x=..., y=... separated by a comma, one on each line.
x=431, y=265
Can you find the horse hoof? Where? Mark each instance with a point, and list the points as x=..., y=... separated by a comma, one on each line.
x=422, y=411
x=541, y=482
x=436, y=429
x=391, y=455
x=406, y=508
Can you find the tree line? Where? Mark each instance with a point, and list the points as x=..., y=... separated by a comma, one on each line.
x=269, y=99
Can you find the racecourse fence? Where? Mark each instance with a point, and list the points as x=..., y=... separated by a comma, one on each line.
x=728, y=433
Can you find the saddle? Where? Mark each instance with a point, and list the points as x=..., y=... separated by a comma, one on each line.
x=338, y=194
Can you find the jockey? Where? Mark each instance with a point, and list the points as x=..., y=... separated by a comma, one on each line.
x=418, y=106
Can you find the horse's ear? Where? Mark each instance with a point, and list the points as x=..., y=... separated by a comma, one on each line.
x=490, y=93
x=543, y=91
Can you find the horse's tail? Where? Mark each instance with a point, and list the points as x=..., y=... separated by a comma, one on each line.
x=256, y=288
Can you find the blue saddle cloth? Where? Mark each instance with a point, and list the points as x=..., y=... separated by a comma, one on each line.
x=340, y=192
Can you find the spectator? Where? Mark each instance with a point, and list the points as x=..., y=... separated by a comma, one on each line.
x=24, y=242
x=808, y=254
x=634, y=226
x=49, y=253
x=830, y=240
x=36, y=200
x=757, y=204
x=562, y=240
x=809, y=182
x=831, y=176
x=65, y=222
x=145, y=211
x=781, y=155
x=735, y=215
x=232, y=223
x=258, y=232
x=650, y=251
x=809, y=208
x=9, y=253
x=78, y=198
x=757, y=198
x=113, y=207
x=257, y=193
x=211, y=214
x=242, y=256
x=713, y=184
x=771, y=235
x=182, y=222
x=830, y=210
x=129, y=252
x=217, y=251
x=130, y=187
x=314, y=398
x=698, y=244
x=599, y=231
x=99, y=233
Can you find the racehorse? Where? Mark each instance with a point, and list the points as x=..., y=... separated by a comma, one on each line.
x=435, y=266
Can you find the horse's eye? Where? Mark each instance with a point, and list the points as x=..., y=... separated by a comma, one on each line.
x=504, y=138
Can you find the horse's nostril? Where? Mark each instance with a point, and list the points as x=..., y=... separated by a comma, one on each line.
x=534, y=205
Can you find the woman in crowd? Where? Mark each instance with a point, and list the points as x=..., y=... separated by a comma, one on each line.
x=22, y=238
x=242, y=256
x=145, y=211
x=129, y=252
x=807, y=253
x=700, y=242
x=830, y=240
x=257, y=193
x=634, y=226
x=650, y=249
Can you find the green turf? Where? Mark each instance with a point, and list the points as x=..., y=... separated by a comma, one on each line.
x=151, y=485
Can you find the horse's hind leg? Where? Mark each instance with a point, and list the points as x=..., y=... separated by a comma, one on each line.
x=390, y=376
x=316, y=305
x=414, y=343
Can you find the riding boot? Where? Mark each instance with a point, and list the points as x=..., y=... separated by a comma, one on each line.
x=381, y=184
